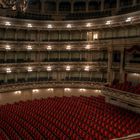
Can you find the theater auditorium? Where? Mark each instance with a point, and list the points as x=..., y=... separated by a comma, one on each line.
x=69, y=69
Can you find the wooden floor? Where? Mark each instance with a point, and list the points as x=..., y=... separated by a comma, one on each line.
x=31, y=94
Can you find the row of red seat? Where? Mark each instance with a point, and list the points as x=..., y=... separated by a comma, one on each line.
x=127, y=86
x=64, y=118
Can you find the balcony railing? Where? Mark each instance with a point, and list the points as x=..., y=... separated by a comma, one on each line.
x=50, y=84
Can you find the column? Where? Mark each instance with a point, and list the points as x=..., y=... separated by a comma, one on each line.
x=5, y=54
x=37, y=75
x=15, y=56
x=16, y=33
x=15, y=77
x=86, y=5
x=59, y=56
x=134, y=2
x=122, y=66
x=109, y=70
x=59, y=35
x=102, y=5
x=70, y=35
x=81, y=35
x=72, y=6
x=38, y=35
x=57, y=7
x=42, y=6
x=118, y=5
x=6, y=77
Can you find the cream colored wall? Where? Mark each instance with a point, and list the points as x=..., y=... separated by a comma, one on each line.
x=11, y=97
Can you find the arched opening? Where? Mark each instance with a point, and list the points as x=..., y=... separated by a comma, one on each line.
x=138, y=2
x=64, y=6
x=34, y=6
x=79, y=6
x=125, y=3
x=94, y=5
x=50, y=7
x=109, y=4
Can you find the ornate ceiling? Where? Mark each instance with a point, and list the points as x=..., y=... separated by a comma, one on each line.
x=19, y=5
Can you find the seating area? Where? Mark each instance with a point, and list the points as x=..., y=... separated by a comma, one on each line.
x=127, y=86
x=88, y=118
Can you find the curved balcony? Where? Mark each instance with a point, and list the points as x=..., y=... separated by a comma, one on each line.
x=50, y=84
x=81, y=24
x=72, y=10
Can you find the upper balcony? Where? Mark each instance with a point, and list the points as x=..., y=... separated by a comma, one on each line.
x=67, y=10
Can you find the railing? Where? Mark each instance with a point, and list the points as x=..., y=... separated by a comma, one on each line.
x=68, y=15
x=130, y=137
x=130, y=101
x=50, y=84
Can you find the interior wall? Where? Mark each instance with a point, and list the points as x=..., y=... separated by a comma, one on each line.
x=12, y=97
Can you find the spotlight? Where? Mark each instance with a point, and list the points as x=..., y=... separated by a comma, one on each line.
x=49, y=26
x=29, y=25
x=82, y=90
x=67, y=89
x=29, y=69
x=86, y=68
x=68, y=47
x=8, y=70
x=50, y=89
x=68, y=68
x=7, y=23
x=129, y=19
x=87, y=47
x=49, y=68
x=98, y=91
x=17, y=92
x=68, y=25
x=35, y=90
x=8, y=47
x=49, y=48
x=88, y=25
x=108, y=22
x=29, y=47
